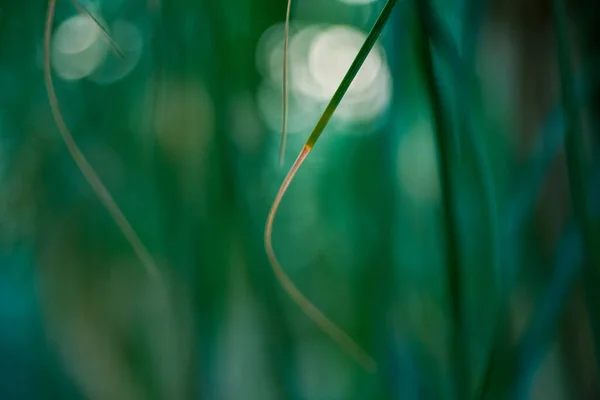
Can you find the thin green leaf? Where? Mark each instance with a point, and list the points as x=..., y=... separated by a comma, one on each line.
x=444, y=149
x=286, y=39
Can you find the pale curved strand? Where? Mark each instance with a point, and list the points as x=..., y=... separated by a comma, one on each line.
x=337, y=334
x=82, y=163
x=284, y=122
x=116, y=48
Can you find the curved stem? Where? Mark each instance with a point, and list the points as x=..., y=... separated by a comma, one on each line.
x=84, y=166
x=309, y=309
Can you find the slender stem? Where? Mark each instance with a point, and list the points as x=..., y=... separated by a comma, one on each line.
x=473, y=16
x=351, y=74
x=578, y=175
x=83, y=164
x=284, y=120
x=309, y=309
x=444, y=146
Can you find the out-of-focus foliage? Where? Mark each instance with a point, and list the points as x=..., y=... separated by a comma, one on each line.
x=183, y=129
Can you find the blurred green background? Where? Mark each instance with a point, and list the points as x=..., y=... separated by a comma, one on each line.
x=184, y=130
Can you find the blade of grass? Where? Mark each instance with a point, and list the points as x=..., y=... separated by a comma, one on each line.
x=286, y=39
x=309, y=309
x=114, y=46
x=577, y=174
x=444, y=149
x=513, y=365
x=84, y=166
x=463, y=70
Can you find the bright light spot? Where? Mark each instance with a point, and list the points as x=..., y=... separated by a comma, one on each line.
x=331, y=55
x=302, y=81
x=371, y=102
x=270, y=54
x=76, y=34
x=417, y=163
x=269, y=46
x=301, y=118
x=319, y=57
x=77, y=48
x=129, y=39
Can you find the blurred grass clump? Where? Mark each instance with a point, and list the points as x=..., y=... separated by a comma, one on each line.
x=447, y=220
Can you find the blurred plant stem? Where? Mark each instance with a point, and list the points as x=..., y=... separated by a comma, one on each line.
x=452, y=246
x=463, y=72
x=577, y=173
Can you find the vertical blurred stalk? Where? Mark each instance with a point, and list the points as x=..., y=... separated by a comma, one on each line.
x=444, y=148
x=473, y=21
x=398, y=375
x=577, y=173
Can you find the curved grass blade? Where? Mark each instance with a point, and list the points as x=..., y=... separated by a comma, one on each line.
x=84, y=166
x=309, y=309
x=286, y=40
x=444, y=148
x=463, y=70
x=113, y=45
